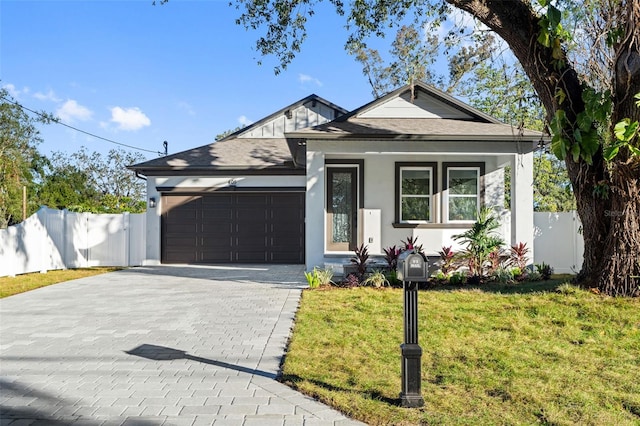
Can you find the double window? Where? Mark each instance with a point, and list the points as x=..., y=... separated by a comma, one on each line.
x=418, y=198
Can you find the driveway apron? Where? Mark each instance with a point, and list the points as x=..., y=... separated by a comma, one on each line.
x=162, y=345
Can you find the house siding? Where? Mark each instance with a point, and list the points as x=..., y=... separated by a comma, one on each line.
x=421, y=107
x=302, y=117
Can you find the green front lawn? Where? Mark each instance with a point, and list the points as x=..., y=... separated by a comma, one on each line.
x=523, y=354
x=21, y=283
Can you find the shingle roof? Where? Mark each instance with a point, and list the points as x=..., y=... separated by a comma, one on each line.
x=228, y=154
x=236, y=152
x=427, y=128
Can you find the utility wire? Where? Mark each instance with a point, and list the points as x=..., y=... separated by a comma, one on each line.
x=78, y=130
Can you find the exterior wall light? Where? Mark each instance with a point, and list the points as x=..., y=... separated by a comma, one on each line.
x=152, y=203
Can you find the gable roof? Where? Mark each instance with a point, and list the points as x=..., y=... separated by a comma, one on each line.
x=250, y=149
x=432, y=115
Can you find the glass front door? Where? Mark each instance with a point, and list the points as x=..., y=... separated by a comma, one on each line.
x=342, y=208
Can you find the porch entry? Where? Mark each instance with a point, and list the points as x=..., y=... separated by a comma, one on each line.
x=342, y=208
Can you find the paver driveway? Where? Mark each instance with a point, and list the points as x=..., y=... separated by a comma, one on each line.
x=164, y=345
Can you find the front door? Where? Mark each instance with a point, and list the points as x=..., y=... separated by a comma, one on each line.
x=342, y=208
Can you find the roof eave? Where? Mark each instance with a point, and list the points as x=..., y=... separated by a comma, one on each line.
x=217, y=171
x=419, y=137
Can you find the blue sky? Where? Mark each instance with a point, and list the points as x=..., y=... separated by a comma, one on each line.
x=140, y=74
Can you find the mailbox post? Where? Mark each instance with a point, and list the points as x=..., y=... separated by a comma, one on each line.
x=412, y=269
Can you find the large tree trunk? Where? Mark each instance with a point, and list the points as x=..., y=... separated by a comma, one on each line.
x=610, y=219
x=620, y=274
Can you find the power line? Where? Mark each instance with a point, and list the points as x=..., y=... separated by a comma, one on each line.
x=55, y=120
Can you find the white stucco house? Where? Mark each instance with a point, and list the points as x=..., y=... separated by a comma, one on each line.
x=310, y=182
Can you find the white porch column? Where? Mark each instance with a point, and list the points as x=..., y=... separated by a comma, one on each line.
x=153, y=225
x=314, y=209
x=522, y=201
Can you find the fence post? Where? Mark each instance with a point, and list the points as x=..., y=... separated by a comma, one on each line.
x=126, y=221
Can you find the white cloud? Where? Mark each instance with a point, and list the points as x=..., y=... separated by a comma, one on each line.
x=305, y=78
x=49, y=96
x=14, y=91
x=129, y=118
x=71, y=111
x=243, y=120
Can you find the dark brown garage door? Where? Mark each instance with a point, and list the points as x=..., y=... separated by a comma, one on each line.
x=233, y=228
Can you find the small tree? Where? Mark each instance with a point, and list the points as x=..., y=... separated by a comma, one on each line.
x=19, y=158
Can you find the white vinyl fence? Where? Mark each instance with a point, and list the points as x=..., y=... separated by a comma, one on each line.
x=557, y=241
x=59, y=239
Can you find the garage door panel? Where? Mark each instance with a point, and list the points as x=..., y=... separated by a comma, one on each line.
x=286, y=257
x=218, y=214
x=222, y=227
x=251, y=256
x=287, y=227
x=251, y=228
x=180, y=216
x=236, y=227
x=215, y=256
x=246, y=216
x=179, y=229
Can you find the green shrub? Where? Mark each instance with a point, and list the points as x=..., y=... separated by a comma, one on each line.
x=458, y=278
x=503, y=276
x=376, y=279
x=319, y=277
x=392, y=278
x=534, y=276
x=544, y=270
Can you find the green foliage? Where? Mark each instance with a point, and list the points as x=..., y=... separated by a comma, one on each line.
x=624, y=131
x=319, y=277
x=412, y=55
x=503, y=276
x=458, y=278
x=501, y=90
x=552, y=34
x=544, y=270
x=376, y=279
x=392, y=278
x=584, y=137
x=552, y=191
x=66, y=188
x=92, y=182
x=20, y=161
x=27, y=282
x=228, y=132
x=480, y=241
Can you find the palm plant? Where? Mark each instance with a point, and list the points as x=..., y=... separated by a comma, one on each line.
x=480, y=241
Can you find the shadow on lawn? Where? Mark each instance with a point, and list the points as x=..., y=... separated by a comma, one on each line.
x=293, y=380
x=526, y=287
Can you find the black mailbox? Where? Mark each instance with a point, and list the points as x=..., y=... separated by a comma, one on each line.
x=412, y=267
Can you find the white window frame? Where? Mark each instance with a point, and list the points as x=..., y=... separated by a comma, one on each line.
x=448, y=196
x=429, y=196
